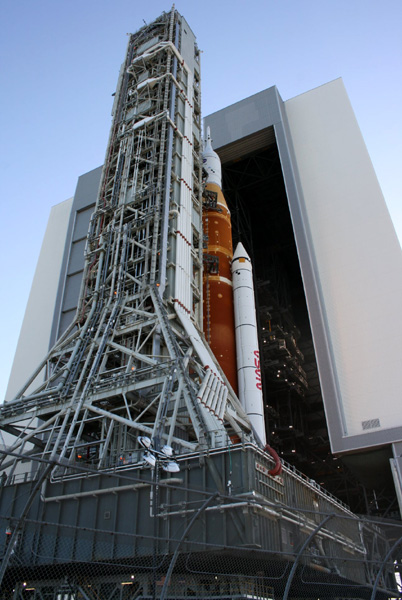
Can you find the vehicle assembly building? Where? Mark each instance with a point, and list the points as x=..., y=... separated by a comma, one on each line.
x=209, y=394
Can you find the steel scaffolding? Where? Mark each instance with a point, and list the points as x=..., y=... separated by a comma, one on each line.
x=133, y=362
x=133, y=384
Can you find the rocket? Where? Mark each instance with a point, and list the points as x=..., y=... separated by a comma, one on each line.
x=229, y=317
x=248, y=355
x=218, y=315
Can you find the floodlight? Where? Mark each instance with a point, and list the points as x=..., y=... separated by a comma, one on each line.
x=171, y=467
x=144, y=441
x=150, y=459
x=167, y=451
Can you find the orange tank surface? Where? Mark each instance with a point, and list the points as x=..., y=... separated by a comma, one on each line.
x=217, y=282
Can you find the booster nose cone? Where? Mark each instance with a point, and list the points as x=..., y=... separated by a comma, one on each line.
x=211, y=162
x=240, y=257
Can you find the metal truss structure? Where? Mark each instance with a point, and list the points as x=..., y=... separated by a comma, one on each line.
x=134, y=361
x=81, y=513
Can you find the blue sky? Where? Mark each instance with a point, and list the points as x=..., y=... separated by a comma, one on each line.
x=59, y=65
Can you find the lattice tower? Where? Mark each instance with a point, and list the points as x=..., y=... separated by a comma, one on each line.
x=134, y=361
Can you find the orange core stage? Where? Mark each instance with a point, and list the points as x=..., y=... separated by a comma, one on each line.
x=217, y=281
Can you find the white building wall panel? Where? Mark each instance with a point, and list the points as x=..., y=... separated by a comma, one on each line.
x=357, y=258
x=34, y=339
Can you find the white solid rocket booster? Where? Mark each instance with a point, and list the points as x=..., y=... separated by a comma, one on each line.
x=247, y=349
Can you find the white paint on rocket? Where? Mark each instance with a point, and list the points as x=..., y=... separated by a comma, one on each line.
x=248, y=355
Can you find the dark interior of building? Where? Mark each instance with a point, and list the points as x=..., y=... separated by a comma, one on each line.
x=296, y=426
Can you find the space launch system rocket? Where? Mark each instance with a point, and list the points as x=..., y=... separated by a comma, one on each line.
x=218, y=316
x=230, y=323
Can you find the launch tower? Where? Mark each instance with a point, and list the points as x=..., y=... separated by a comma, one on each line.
x=134, y=444
x=133, y=361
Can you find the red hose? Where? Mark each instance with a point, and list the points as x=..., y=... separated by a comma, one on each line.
x=277, y=469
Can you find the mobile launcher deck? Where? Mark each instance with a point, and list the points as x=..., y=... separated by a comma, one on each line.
x=234, y=531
